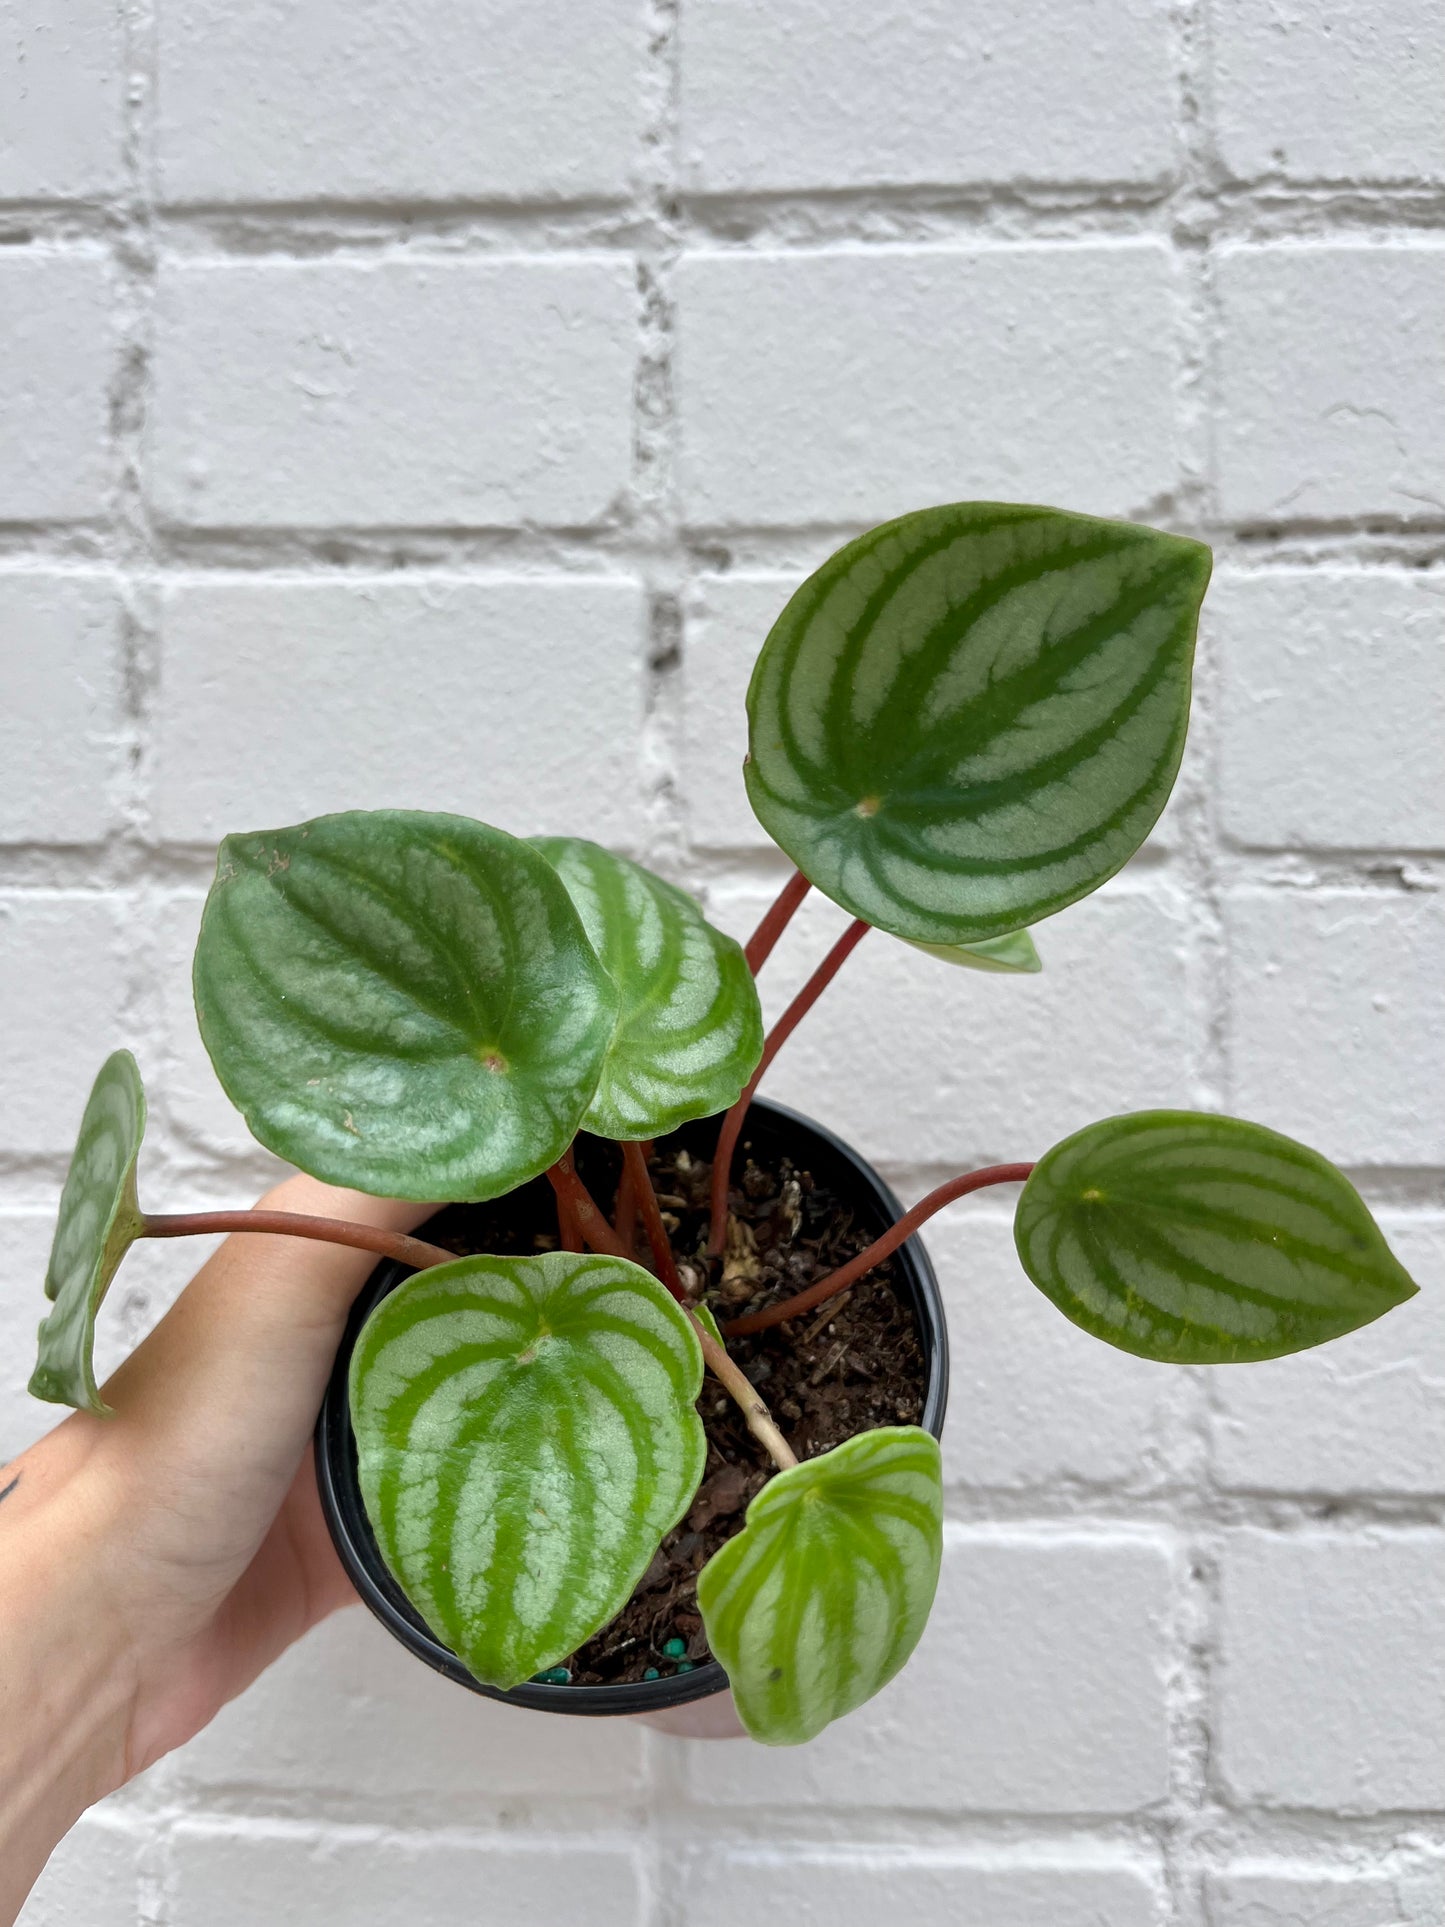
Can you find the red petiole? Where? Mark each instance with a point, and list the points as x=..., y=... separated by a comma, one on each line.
x=880, y=1249
x=659, y=1243
x=569, y=1231
x=602, y=1237
x=624, y=1216
x=778, y=1036
x=759, y=946
x=295, y=1224
x=577, y=1203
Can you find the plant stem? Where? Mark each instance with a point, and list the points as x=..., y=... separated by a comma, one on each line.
x=759, y=946
x=407, y=1250
x=624, y=1216
x=635, y=1163
x=569, y=1231
x=601, y=1236
x=880, y=1248
x=577, y=1201
x=722, y=1168
x=745, y=1394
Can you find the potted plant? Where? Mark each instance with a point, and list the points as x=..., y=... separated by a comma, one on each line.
x=966, y=720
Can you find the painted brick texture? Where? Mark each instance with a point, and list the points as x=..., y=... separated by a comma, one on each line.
x=456, y=393
x=433, y=405
x=494, y=101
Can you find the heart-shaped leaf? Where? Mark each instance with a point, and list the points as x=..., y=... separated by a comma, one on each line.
x=1202, y=1240
x=99, y=1221
x=823, y=1595
x=972, y=716
x=1014, y=953
x=401, y=1002
x=689, y=1028
x=525, y=1436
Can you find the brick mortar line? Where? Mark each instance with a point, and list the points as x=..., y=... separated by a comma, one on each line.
x=174, y=867
x=747, y=219
x=649, y=520
x=652, y=516
x=1195, y=219
x=129, y=540
x=860, y=1832
x=623, y=550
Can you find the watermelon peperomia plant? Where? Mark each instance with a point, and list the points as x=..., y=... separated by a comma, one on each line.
x=964, y=721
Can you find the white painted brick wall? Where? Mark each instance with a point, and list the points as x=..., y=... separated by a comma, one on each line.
x=1304, y=764
x=565, y=657
x=62, y=94
x=1329, y=92
x=393, y=104
x=62, y=716
x=1355, y=1064
x=845, y=385
x=62, y=977
x=434, y=405
x=234, y=1875
x=384, y=393
x=1332, y=1688
x=790, y=95
x=57, y=361
x=1274, y=1896
x=860, y=1890
x=97, y=1880
x=1331, y=369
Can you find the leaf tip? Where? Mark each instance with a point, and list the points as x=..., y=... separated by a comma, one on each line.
x=1195, y=559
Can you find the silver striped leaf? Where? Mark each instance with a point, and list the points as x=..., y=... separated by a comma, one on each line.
x=99, y=1221
x=689, y=1028
x=822, y=1596
x=402, y=1002
x=972, y=716
x=525, y=1436
x=1202, y=1240
x=1014, y=954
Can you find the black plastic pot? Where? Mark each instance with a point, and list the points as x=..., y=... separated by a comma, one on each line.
x=771, y=1128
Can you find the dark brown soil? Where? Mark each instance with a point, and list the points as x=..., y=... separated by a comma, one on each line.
x=853, y=1364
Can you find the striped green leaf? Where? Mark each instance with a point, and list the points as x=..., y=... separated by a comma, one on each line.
x=99, y=1221
x=972, y=716
x=1202, y=1240
x=402, y=1002
x=823, y=1595
x=1014, y=953
x=689, y=1028
x=706, y=1318
x=525, y=1436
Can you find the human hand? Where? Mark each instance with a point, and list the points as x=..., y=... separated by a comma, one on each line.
x=152, y=1564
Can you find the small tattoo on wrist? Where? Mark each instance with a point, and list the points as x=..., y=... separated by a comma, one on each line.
x=6, y=1490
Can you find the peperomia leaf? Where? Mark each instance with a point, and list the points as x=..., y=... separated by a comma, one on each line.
x=402, y=1002
x=1202, y=1240
x=823, y=1595
x=1014, y=953
x=525, y=1436
x=689, y=1028
x=972, y=716
x=707, y=1319
x=99, y=1221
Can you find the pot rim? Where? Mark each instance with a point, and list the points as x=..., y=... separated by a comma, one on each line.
x=351, y=1532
